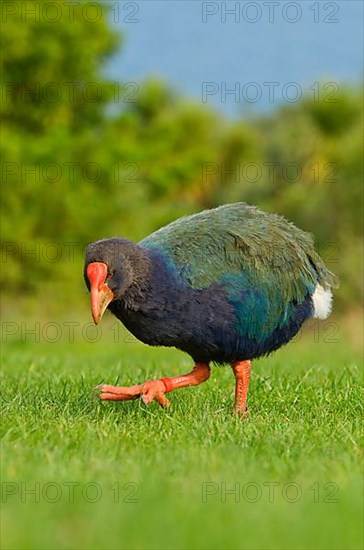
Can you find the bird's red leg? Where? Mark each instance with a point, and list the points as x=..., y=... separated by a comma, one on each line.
x=241, y=371
x=156, y=389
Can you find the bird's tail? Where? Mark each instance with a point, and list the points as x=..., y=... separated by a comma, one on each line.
x=322, y=296
x=322, y=302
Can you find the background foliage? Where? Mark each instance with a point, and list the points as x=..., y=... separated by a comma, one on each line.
x=84, y=158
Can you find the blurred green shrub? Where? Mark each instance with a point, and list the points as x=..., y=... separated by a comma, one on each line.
x=84, y=158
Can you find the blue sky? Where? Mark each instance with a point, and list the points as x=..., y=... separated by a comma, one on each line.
x=254, y=48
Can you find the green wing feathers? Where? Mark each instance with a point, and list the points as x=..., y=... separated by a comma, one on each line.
x=239, y=240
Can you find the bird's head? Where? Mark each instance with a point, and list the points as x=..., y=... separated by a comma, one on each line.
x=112, y=266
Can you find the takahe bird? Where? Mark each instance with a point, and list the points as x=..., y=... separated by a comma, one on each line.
x=226, y=285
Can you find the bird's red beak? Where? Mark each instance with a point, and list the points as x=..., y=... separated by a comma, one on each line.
x=101, y=295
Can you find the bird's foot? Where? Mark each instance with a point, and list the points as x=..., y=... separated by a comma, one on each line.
x=153, y=389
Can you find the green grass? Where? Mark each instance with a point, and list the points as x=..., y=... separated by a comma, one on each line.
x=161, y=479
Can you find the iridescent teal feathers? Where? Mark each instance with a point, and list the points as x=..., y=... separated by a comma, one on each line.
x=265, y=264
x=239, y=238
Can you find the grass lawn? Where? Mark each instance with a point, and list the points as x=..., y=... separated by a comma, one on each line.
x=77, y=473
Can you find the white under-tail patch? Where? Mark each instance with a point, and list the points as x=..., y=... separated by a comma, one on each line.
x=322, y=301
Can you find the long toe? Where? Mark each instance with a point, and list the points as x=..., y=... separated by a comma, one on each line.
x=119, y=393
x=111, y=397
